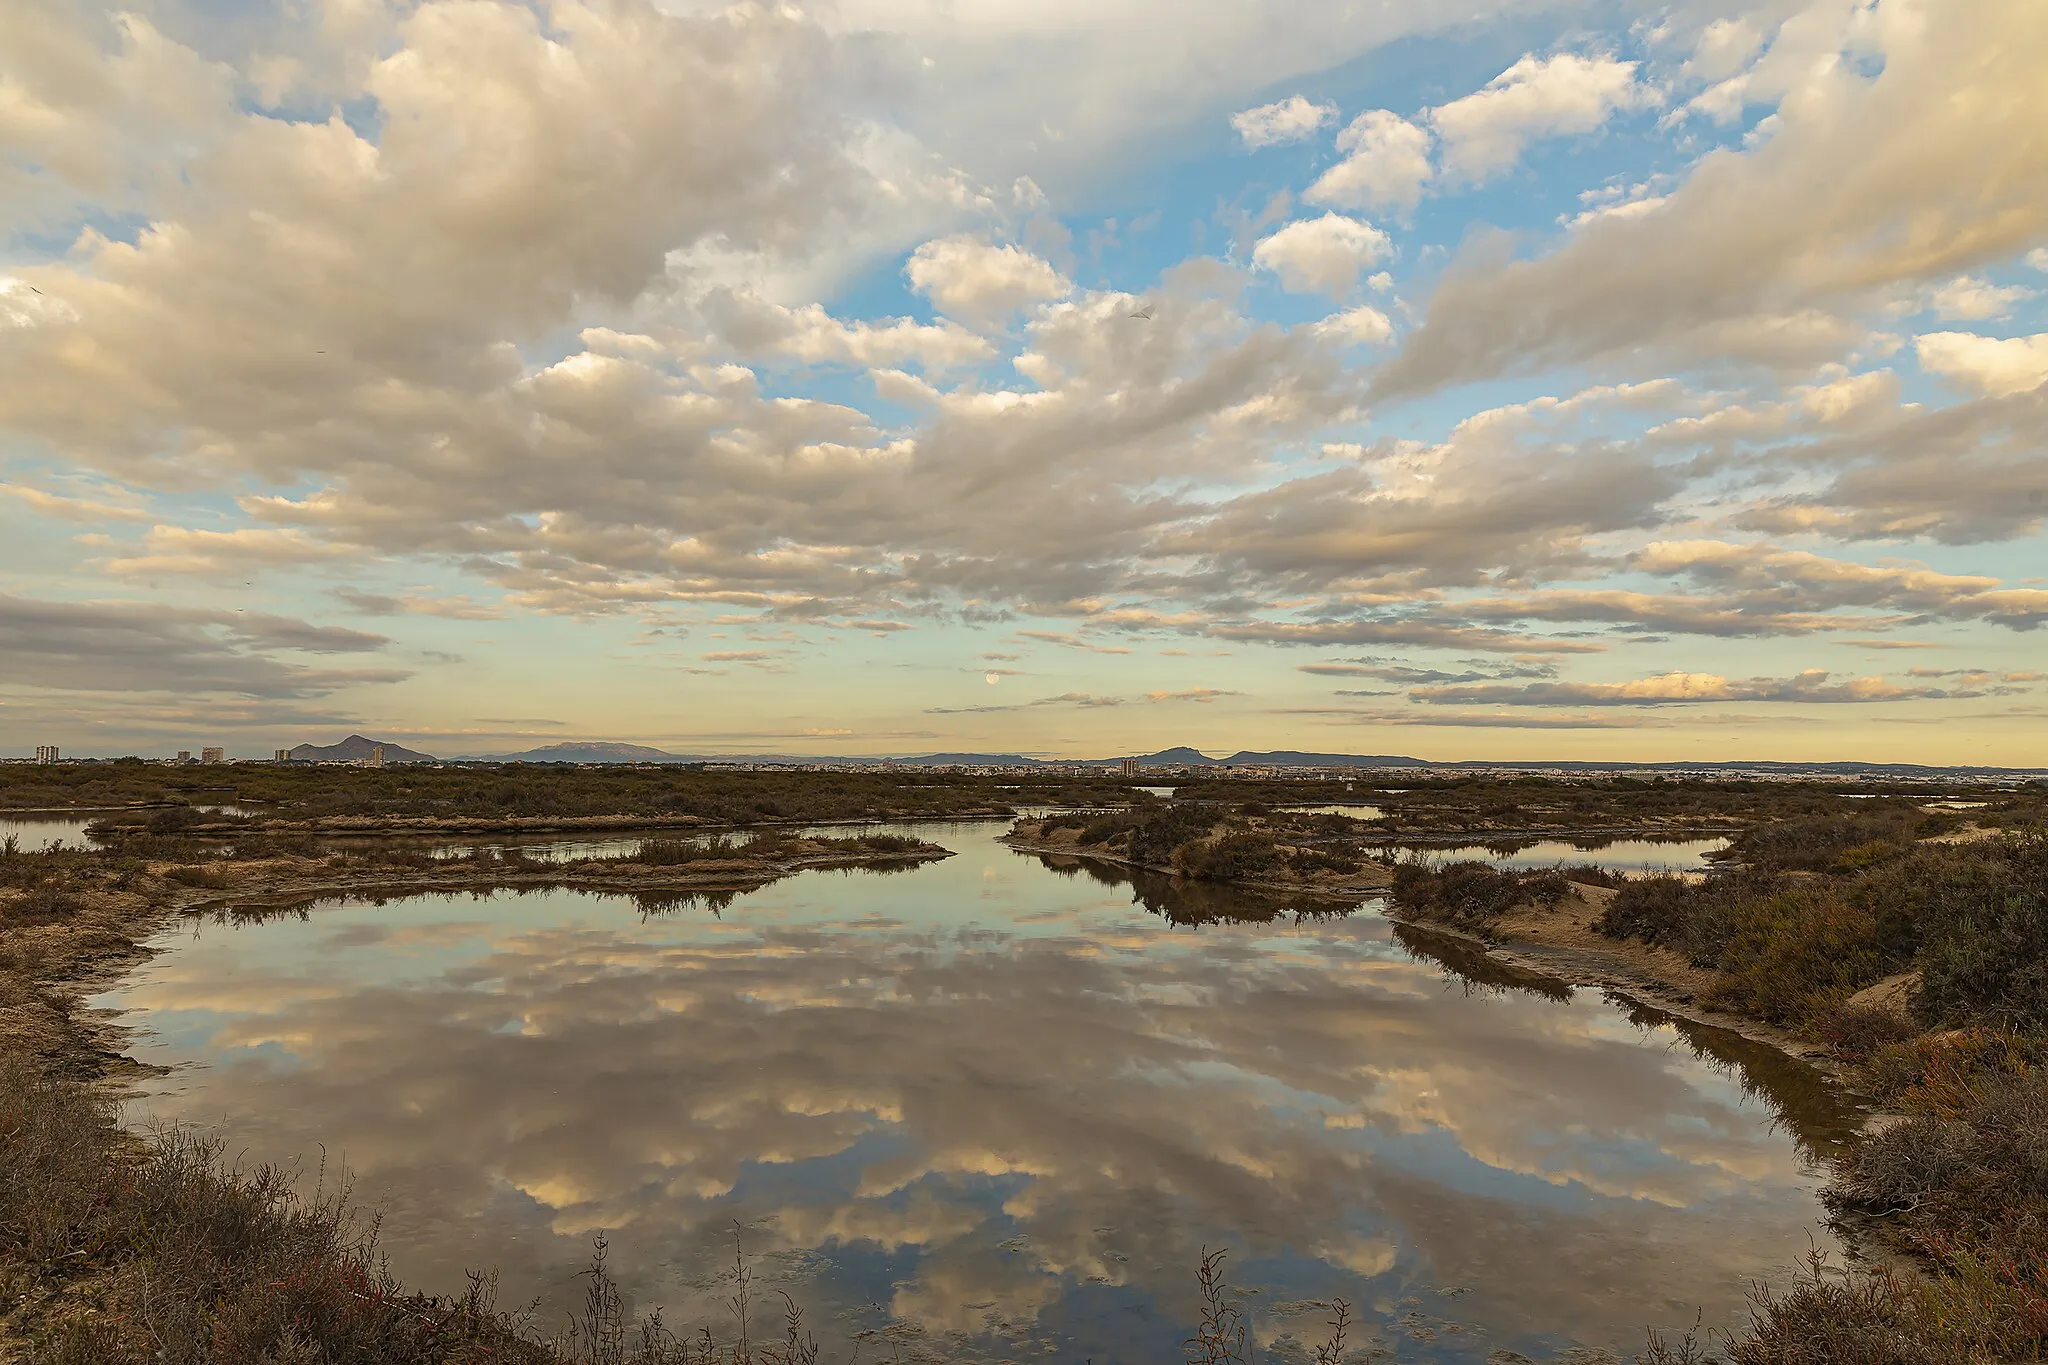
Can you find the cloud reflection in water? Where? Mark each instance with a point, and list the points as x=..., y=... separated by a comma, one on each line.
x=1000, y=1098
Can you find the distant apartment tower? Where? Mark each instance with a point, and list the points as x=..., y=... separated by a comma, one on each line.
x=213, y=755
x=1130, y=767
x=46, y=753
x=376, y=755
x=184, y=755
x=281, y=756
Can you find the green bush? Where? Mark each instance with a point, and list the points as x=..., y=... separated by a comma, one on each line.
x=1983, y=952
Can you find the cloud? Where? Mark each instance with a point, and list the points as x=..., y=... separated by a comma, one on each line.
x=1288, y=120
x=1967, y=299
x=1387, y=671
x=1322, y=255
x=1418, y=630
x=971, y=278
x=92, y=510
x=1053, y=637
x=1775, y=231
x=1200, y=694
x=1386, y=166
x=1990, y=366
x=1485, y=132
x=1669, y=689
x=417, y=603
x=114, y=647
x=1473, y=720
x=1361, y=326
x=222, y=554
x=1082, y=700
x=812, y=336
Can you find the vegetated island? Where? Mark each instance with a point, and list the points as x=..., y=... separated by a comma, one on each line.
x=1316, y=856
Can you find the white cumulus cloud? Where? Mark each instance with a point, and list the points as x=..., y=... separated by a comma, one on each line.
x=1288, y=120
x=971, y=278
x=1991, y=366
x=1969, y=299
x=1362, y=326
x=1322, y=255
x=1387, y=165
x=1485, y=132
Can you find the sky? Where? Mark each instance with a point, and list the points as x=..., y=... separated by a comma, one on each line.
x=1461, y=378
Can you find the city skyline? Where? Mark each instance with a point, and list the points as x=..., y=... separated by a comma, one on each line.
x=1606, y=381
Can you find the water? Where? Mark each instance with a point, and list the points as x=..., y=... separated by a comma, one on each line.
x=1356, y=812
x=998, y=1105
x=34, y=831
x=1620, y=855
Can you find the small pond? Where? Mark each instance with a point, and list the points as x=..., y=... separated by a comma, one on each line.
x=1620, y=855
x=36, y=830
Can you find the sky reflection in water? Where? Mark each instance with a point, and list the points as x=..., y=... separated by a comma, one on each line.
x=33, y=832
x=996, y=1098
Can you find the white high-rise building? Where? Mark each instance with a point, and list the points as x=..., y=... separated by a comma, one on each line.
x=213, y=755
x=46, y=753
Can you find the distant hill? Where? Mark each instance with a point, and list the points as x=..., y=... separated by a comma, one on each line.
x=592, y=751
x=1173, y=758
x=357, y=749
x=1289, y=758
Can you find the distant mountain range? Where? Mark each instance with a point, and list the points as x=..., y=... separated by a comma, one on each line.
x=584, y=752
x=357, y=749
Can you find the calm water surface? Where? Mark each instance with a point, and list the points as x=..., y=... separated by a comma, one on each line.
x=1619, y=855
x=997, y=1106
x=35, y=831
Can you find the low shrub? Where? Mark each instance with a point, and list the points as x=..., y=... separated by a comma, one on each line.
x=1859, y=1032
x=209, y=878
x=1308, y=861
x=1837, y=841
x=39, y=906
x=1696, y=919
x=1235, y=855
x=1797, y=955
x=1471, y=894
x=1982, y=918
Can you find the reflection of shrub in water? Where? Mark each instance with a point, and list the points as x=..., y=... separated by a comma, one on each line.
x=671, y=902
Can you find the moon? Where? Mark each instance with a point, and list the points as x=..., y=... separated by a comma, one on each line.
x=991, y=678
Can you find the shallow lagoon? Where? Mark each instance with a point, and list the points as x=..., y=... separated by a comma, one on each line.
x=33, y=831
x=997, y=1106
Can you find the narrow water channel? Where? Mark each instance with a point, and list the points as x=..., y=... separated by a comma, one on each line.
x=996, y=1107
